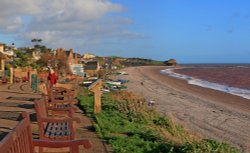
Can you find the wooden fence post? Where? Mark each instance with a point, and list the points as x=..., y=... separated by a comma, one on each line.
x=96, y=89
x=11, y=75
x=2, y=64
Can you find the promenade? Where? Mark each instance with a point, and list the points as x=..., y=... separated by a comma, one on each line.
x=16, y=98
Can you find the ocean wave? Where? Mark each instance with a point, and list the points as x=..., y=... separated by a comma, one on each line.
x=202, y=83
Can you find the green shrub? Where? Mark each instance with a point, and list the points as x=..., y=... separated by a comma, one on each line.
x=130, y=128
x=161, y=121
x=208, y=146
x=87, y=104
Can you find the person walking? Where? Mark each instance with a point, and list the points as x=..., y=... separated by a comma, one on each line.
x=52, y=77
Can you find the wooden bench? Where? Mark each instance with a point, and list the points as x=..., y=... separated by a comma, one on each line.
x=60, y=100
x=59, y=106
x=60, y=93
x=54, y=128
x=60, y=96
x=20, y=140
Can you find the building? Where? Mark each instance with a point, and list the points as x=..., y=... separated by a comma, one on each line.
x=1, y=47
x=91, y=68
x=88, y=56
x=36, y=55
x=68, y=55
x=77, y=57
x=2, y=59
x=6, y=55
x=69, y=61
x=78, y=69
x=8, y=50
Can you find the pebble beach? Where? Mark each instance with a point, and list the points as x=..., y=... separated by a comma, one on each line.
x=206, y=112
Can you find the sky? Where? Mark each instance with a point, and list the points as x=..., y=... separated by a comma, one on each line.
x=190, y=31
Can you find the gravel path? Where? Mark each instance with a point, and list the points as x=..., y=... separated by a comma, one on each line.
x=16, y=98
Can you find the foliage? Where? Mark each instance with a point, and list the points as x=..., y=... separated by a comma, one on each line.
x=130, y=127
x=38, y=47
x=43, y=61
x=86, y=103
x=22, y=59
x=140, y=62
x=39, y=40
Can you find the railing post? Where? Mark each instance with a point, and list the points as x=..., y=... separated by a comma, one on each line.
x=11, y=75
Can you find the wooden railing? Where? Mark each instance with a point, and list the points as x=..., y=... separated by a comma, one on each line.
x=20, y=140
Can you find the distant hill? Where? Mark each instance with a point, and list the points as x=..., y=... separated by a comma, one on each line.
x=139, y=62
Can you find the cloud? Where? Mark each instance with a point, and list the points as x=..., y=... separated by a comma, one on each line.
x=10, y=25
x=66, y=23
x=17, y=7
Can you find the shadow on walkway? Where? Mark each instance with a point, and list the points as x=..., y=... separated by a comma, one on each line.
x=10, y=115
x=26, y=106
x=30, y=93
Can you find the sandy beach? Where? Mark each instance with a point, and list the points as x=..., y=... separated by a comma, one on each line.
x=209, y=113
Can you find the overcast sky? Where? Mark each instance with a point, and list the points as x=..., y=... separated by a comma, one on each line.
x=191, y=31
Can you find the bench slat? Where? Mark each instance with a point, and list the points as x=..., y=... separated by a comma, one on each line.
x=57, y=130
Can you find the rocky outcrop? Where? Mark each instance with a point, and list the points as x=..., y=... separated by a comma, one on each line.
x=171, y=62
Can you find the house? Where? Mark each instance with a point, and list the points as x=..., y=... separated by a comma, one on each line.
x=77, y=69
x=91, y=68
x=77, y=57
x=8, y=50
x=3, y=58
x=1, y=47
x=88, y=56
x=69, y=60
x=6, y=55
x=171, y=62
x=64, y=56
x=36, y=55
x=68, y=55
x=63, y=59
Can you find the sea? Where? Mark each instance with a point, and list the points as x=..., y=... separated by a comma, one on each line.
x=230, y=78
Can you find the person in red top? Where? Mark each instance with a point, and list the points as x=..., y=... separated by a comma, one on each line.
x=52, y=77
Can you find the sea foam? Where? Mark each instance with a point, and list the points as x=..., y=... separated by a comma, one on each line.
x=202, y=83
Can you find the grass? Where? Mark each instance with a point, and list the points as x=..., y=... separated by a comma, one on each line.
x=130, y=127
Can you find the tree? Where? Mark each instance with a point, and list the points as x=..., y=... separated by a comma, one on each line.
x=45, y=59
x=36, y=41
x=22, y=59
x=39, y=40
x=39, y=47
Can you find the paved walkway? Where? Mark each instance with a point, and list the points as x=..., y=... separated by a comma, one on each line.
x=16, y=98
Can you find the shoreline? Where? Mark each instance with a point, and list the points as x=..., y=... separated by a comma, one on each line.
x=210, y=83
x=213, y=114
x=206, y=93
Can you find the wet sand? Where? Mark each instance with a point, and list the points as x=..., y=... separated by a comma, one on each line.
x=210, y=113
